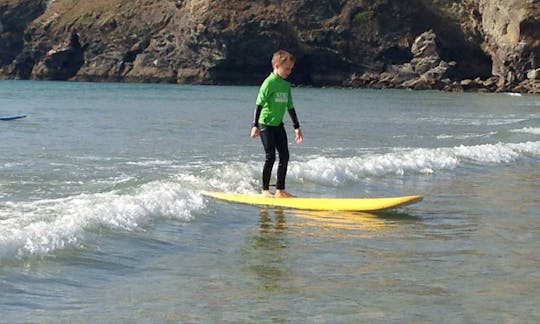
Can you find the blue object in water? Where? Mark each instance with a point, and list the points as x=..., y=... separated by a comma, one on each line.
x=12, y=117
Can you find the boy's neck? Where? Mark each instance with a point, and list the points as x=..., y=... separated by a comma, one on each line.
x=277, y=74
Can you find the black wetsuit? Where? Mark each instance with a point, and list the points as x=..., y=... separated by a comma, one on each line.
x=274, y=138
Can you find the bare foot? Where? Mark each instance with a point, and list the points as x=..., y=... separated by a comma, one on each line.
x=267, y=193
x=282, y=194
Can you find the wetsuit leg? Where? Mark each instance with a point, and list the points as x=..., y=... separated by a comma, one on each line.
x=283, y=151
x=268, y=142
x=274, y=138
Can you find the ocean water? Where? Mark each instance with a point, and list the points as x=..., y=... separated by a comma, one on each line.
x=102, y=220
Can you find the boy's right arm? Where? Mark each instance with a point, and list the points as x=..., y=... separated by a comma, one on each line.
x=255, y=125
x=255, y=132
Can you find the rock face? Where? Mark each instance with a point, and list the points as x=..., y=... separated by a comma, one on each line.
x=491, y=45
x=62, y=62
x=15, y=17
x=426, y=70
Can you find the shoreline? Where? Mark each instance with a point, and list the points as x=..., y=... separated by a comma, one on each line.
x=463, y=86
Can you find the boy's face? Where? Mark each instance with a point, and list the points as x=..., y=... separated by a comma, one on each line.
x=284, y=69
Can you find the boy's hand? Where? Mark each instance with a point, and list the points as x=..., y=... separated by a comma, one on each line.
x=298, y=136
x=255, y=132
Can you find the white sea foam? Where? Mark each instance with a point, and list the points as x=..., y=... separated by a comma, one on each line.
x=238, y=177
x=527, y=130
x=473, y=121
x=151, y=163
x=39, y=227
x=466, y=136
x=335, y=171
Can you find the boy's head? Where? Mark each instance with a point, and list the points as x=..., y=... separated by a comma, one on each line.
x=283, y=63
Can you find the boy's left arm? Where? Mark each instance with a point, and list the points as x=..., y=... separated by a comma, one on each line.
x=298, y=136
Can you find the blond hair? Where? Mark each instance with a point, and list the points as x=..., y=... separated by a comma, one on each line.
x=281, y=57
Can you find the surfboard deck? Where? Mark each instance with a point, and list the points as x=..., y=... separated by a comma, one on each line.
x=12, y=117
x=319, y=203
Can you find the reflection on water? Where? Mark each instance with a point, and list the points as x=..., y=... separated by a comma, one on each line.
x=268, y=225
x=265, y=251
x=272, y=248
x=347, y=224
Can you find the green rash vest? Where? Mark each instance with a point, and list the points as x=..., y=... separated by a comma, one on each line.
x=275, y=98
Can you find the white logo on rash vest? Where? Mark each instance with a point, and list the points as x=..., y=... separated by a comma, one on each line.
x=281, y=97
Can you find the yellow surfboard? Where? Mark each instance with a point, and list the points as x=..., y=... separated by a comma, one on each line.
x=316, y=203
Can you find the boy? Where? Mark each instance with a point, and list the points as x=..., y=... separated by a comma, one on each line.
x=273, y=100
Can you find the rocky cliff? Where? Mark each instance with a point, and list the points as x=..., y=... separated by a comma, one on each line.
x=491, y=45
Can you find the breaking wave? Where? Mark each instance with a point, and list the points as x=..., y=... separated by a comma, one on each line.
x=335, y=171
x=44, y=226
x=40, y=227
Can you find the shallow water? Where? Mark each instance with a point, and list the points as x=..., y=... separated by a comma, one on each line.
x=101, y=215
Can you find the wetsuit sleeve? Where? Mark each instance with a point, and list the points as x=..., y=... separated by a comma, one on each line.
x=294, y=118
x=256, y=116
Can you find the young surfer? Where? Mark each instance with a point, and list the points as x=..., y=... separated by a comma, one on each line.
x=273, y=100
